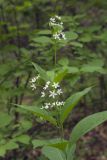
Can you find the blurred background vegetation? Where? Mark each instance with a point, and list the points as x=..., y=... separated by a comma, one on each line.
x=24, y=38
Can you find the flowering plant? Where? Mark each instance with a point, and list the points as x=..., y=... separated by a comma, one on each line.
x=52, y=99
x=57, y=28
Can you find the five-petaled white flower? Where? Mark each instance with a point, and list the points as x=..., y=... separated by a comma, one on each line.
x=48, y=82
x=52, y=94
x=47, y=105
x=42, y=94
x=46, y=86
x=59, y=91
x=33, y=80
x=56, y=85
x=33, y=86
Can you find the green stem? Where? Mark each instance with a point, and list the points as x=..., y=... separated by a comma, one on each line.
x=55, y=52
x=61, y=129
x=60, y=125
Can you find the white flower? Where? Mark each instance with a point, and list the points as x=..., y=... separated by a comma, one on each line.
x=46, y=86
x=42, y=94
x=47, y=105
x=59, y=103
x=56, y=24
x=62, y=103
x=48, y=82
x=63, y=36
x=38, y=76
x=55, y=85
x=52, y=94
x=58, y=17
x=52, y=20
x=52, y=106
x=33, y=86
x=33, y=80
x=59, y=36
x=53, y=103
x=42, y=107
x=59, y=91
x=56, y=36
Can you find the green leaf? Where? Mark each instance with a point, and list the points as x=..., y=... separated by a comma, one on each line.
x=2, y=151
x=40, y=113
x=44, y=32
x=25, y=124
x=77, y=44
x=60, y=75
x=39, y=143
x=53, y=153
x=58, y=143
x=64, y=61
x=102, y=36
x=22, y=139
x=5, y=119
x=73, y=70
x=86, y=125
x=42, y=40
x=51, y=75
x=90, y=69
x=86, y=38
x=96, y=65
x=71, y=102
x=71, y=152
x=71, y=35
x=10, y=145
x=41, y=71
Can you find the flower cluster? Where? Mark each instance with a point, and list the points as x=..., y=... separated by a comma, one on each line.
x=51, y=91
x=33, y=81
x=51, y=105
x=57, y=26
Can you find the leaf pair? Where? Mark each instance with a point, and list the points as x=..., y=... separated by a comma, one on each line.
x=83, y=127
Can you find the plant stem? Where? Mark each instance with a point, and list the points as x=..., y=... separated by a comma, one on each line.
x=55, y=50
x=60, y=125
x=61, y=128
x=62, y=131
